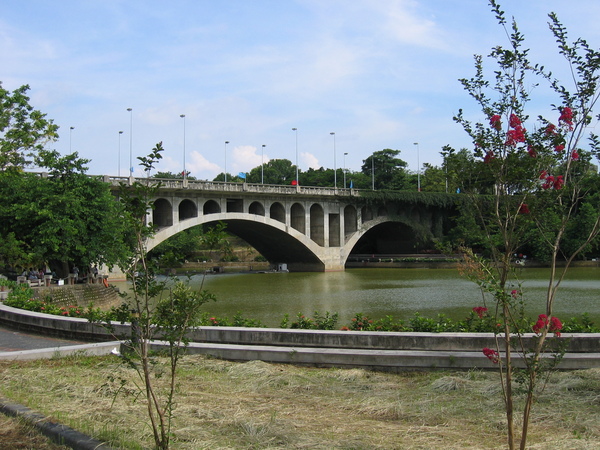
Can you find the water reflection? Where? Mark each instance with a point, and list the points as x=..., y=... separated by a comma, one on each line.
x=380, y=292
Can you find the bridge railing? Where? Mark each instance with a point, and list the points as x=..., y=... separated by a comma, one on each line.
x=221, y=186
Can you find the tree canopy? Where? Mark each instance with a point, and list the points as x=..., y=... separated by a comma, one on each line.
x=62, y=217
x=24, y=131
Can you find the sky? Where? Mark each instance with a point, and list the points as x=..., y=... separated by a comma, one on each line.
x=377, y=73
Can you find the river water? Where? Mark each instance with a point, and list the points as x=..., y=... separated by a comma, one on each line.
x=380, y=292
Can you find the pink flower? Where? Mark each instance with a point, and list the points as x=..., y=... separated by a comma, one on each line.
x=488, y=157
x=549, y=182
x=532, y=152
x=551, y=129
x=514, y=122
x=524, y=209
x=575, y=155
x=559, y=148
x=540, y=324
x=566, y=117
x=495, y=122
x=480, y=311
x=555, y=326
x=559, y=182
x=516, y=135
x=514, y=293
x=492, y=355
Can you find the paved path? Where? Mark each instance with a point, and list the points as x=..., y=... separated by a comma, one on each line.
x=12, y=340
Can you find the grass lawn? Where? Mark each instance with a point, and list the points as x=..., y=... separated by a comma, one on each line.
x=256, y=405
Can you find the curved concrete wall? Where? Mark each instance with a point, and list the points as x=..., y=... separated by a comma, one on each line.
x=385, y=350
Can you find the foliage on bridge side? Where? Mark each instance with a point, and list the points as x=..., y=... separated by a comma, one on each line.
x=427, y=199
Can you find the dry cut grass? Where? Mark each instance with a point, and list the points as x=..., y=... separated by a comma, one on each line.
x=255, y=405
x=17, y=435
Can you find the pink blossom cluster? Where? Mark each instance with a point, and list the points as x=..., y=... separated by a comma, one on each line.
x=492, y=355
x=566, y=118
x=517, y=132
x=551, y=181
x=480, y=311
x=495, y=122
x=554, y=325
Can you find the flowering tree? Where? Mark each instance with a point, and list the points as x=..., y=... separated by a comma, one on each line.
x=535, y=175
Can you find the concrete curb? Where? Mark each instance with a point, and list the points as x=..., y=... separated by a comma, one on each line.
x=103, y=348
x=58, y=433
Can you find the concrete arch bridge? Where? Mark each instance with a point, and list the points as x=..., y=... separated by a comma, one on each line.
x=307, y=228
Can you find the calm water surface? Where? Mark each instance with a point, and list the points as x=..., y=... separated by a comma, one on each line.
x=381, y=292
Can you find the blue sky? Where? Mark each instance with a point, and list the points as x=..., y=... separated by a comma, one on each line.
x=378, y=73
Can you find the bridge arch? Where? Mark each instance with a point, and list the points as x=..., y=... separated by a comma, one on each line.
x=382, y=235
x=270, y=237
x=277, y=212
x=162, y=214
x=187, y=209
x=317, y=224
x=256, y=208
x=211, y=207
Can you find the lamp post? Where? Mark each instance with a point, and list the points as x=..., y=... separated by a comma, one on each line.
x=184, y=172
x=334, y=162
x=70, y=137
x=296, y=131
x=345, y=154
x=262, y=164
x=226, y=142
x=445, y=155
x=373, y=171
x=418, y=169
x=119, y=164
x=130, y=141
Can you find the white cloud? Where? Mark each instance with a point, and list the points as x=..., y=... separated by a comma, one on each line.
x=202, y=168
x=309, y=160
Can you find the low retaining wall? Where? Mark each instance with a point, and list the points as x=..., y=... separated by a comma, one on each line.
x=383, y=350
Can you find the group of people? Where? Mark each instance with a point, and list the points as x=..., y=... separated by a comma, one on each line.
x=33, y=274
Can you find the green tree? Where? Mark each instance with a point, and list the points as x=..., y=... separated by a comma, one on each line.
x=66, y=218
x=390, y=171
x=172, y=176
x=24, y=131
x=531, y=178
x=275, y=171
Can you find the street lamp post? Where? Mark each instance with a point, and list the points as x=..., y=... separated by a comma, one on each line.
x=184, y=172
x=445, y=162
x=373, y=171
x=418, y=169
x=70, y=137
x=296, y=131
x=226, y=142
x=334, y=162
x=130, y=141
x=262, y=164
x=119, y=164
x=345, y=154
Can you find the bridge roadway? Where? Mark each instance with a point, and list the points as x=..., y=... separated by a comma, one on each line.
x=306, y=228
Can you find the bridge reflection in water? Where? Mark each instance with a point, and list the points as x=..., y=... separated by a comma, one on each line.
x=308, y=228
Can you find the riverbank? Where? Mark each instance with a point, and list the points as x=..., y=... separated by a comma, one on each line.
x=440, y=262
